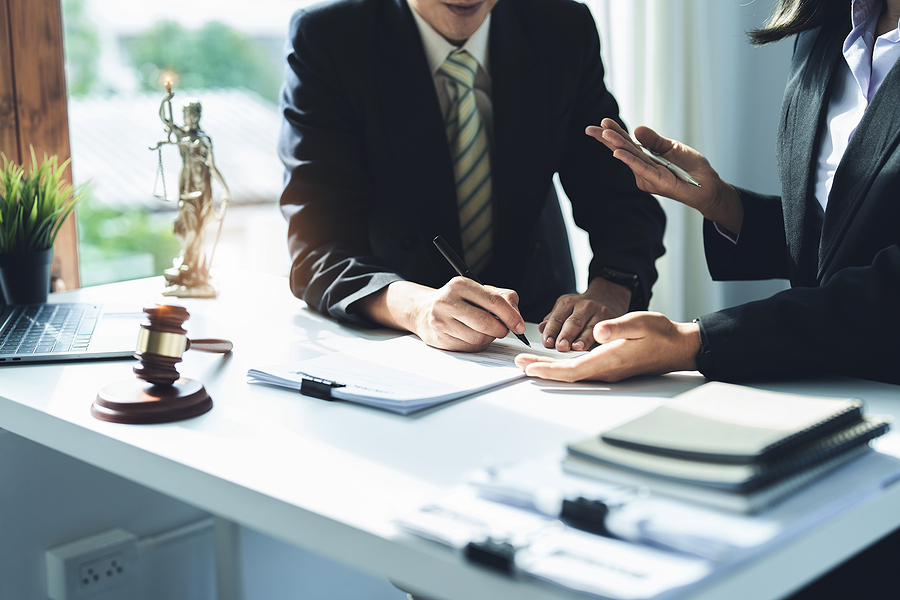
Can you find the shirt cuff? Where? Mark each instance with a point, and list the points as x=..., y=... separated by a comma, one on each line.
x=726, y=234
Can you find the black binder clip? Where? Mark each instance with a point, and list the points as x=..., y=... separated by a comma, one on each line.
x=496, y=555
x=318, y=387
x=587, y=515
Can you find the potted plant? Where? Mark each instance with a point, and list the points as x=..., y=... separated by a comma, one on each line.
x=33, y=206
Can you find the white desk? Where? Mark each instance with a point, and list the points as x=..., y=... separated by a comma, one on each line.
x=328, y=477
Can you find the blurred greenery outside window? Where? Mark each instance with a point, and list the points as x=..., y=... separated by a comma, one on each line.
x=122, y=238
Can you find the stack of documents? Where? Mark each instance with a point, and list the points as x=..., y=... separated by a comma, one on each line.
x=536, y=546
x=730, y=446
x=653, y=543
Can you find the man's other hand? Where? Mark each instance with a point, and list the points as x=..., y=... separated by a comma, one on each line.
x=570, y=324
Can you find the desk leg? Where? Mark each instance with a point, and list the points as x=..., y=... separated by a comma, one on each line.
x=229, y=571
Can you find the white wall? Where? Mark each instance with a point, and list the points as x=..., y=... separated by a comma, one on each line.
x=687, y=69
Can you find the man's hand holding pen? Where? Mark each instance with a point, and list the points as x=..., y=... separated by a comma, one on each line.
x=463, y=271
x=461, y=315
x=465, y=315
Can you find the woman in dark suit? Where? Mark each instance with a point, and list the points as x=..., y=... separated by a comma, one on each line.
x=834, y=232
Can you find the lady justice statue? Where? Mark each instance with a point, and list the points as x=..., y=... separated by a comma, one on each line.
x=189, y=275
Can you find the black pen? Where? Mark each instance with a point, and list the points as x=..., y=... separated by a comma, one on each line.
x=460, y=267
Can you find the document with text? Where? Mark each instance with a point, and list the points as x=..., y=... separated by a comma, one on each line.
x=403, y=374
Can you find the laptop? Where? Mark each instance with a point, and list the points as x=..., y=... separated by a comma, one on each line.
x=42, y=333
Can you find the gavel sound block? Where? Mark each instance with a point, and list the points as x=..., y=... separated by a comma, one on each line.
x=160, y=394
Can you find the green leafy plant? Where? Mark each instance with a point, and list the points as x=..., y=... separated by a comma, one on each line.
x=34, y=204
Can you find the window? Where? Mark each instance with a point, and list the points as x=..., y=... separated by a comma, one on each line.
x=227, y=55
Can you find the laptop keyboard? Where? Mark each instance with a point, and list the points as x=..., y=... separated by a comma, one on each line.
x=49, y=328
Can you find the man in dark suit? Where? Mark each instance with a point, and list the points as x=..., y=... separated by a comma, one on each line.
x=369, y=152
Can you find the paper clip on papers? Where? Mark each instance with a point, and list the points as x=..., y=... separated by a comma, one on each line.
x=580, y=513
x=586, y=514
x=318, y=387
x=492, y=553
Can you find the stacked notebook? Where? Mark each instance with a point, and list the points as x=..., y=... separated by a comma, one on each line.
x=730, y=446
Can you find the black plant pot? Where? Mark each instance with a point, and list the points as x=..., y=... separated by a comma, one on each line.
x=25, y=276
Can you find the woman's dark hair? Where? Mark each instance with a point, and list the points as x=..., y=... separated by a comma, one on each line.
x=796, y=16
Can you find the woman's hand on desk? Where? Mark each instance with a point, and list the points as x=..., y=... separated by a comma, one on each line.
x=638, y=343
x=461, y=315
x=714, y=199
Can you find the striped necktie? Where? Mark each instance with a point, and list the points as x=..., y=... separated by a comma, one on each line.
x=471, y=162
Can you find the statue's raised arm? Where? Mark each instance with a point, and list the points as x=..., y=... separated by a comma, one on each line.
x=168, y=119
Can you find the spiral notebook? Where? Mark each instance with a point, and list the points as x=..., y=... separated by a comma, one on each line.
x=732, y=476
x=751, y=502
x=727, y=423
x=730, y=446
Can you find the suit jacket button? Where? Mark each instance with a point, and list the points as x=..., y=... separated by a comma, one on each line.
x=408, y=243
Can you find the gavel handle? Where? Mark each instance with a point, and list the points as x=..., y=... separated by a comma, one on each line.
x=210, y=345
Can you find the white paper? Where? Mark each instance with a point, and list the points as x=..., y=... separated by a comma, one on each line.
x=459, y=517
x=404, y=374
x=606, y=567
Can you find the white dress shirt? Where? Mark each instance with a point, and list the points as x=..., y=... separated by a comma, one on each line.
x=867, y=62
x=437, y=48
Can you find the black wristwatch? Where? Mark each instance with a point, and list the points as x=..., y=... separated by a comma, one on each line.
x=704, y=357
x=629, y=280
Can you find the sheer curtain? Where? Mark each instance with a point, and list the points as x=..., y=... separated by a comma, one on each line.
x=686, y=69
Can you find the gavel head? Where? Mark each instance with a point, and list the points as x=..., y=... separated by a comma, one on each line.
x=161, y=343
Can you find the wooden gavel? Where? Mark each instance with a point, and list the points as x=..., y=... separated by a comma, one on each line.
x=162, y=342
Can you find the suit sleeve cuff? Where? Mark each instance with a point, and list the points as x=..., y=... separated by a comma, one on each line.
x=704, y=359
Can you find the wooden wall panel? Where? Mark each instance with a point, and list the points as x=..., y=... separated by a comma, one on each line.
x=39, y=81
x=9, y=137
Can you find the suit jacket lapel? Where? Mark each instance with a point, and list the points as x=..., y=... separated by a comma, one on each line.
x=414, y=126
x=874, y=139
x=803, y=112
x=520, y=98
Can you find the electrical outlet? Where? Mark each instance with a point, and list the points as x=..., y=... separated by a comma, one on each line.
x=104, y=573
x=80, y=569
